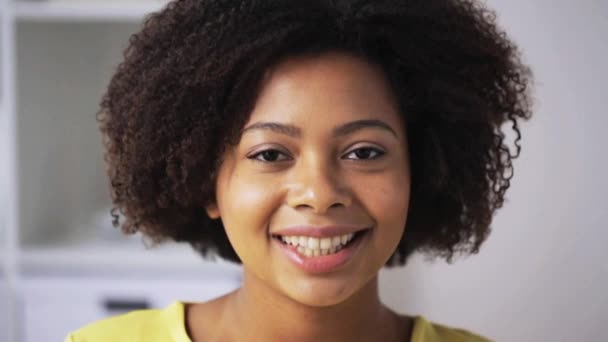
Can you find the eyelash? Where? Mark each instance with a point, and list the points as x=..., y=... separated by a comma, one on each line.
x=379, y=153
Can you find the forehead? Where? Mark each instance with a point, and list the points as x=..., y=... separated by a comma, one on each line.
x=334, y=87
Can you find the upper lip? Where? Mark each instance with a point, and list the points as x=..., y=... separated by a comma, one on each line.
x=318, y=231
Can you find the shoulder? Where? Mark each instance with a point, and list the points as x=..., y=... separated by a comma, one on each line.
x=426, y=331
x=140, y=325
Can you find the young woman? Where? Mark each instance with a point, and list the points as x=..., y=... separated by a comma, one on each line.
x=314, y=142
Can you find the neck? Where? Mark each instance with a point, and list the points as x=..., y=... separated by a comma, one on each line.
x=265, y=313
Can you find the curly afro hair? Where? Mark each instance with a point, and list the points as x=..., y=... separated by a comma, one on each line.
x=190, y=77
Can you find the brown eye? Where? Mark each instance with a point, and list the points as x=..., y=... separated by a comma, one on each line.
x=268, y=156
x=366, y=153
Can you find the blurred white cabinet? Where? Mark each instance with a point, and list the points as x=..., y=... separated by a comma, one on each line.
x=54, y=306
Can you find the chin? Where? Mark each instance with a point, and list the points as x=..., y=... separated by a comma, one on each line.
x=320, y=293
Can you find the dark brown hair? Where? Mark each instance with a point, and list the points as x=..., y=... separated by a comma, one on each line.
x=190, y=77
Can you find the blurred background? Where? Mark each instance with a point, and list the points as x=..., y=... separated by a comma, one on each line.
x=541, y=276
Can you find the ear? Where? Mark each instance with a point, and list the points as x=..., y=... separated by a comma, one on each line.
x=212, y=211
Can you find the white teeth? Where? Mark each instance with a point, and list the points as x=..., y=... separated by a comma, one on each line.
x=326, y=243
x=312, y=246
x=313, y=243
x=336, y=241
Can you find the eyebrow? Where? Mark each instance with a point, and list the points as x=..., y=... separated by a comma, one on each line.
x=339, y=131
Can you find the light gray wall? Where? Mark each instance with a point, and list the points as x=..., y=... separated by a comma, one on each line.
x=543, y=273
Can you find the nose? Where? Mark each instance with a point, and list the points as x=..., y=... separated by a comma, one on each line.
x=319, y=187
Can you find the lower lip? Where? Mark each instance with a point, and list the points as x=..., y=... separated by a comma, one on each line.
x=321, y=263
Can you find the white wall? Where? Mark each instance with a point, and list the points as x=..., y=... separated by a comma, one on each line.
x=543, y=273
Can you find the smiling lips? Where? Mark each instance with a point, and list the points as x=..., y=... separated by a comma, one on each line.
x=315, y=241
x=319, y=249
x=312, y=246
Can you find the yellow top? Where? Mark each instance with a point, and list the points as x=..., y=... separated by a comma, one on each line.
x=168, y=325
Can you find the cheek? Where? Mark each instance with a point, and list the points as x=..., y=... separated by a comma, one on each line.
x=246, y=207
x=387, y=200
x=248, y=204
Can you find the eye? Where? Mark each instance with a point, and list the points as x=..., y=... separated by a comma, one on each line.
x=368, y=153
x=269, y=156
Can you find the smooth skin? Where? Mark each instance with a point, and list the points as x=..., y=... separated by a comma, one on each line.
x=312, y=173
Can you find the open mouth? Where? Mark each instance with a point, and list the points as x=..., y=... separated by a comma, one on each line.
x=313, y=246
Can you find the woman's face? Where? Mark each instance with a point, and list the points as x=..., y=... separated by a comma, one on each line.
x=322, y=164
